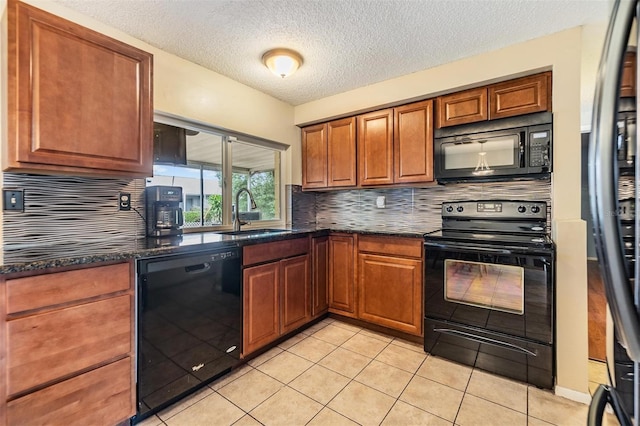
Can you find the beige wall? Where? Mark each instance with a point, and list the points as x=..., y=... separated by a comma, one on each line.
x=562, y=53
x=188, y=90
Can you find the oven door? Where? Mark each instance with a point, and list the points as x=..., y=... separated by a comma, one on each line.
x=481, y=156
x=499, y=290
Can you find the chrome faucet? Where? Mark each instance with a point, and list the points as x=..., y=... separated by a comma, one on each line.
x=236, y=218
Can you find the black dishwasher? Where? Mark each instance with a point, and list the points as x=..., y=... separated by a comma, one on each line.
x=189, y=329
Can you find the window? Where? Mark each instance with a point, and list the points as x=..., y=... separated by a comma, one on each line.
x=255, y=168
x=206, y=201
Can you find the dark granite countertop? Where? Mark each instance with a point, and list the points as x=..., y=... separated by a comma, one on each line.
x=40, y=258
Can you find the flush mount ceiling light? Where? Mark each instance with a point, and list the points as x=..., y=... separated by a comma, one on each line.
x=282, y=62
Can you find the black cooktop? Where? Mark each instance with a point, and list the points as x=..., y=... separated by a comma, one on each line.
x=495, y=223
x=495, y=238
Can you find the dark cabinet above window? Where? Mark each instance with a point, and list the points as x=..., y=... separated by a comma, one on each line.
x=169, y=144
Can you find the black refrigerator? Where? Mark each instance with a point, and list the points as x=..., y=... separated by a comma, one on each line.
x=612, y=149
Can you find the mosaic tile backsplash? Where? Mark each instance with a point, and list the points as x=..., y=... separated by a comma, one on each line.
x=407, y=209
x=64, y=214
x=67, y=213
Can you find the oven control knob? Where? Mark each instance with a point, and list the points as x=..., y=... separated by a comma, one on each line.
x=535, y=209
x=449, y=209
x=522, y=209
x=460, y=209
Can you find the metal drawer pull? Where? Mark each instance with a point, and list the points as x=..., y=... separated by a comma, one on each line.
x=486, y=340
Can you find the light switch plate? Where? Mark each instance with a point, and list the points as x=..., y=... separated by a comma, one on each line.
x=13, y=200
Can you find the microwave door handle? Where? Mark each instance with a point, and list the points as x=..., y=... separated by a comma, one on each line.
x=521, y=153
x=603, y=183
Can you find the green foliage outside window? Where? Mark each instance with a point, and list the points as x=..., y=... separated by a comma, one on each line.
x=262, y=186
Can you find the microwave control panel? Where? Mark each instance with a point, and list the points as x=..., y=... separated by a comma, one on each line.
x=539, y=148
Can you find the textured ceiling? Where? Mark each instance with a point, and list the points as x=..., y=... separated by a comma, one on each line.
x=345, y=44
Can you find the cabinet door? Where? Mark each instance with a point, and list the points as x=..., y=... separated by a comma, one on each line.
x=413, y=143
x=342, y=152
x=79, y=101
x=342, y=296
x=628, y=84
x=260, y=306
x=295, y=293
x=375, y=148
x=463, y=107
x=314, y=157
x=390, y=292
x=320, y=281
x=520, y=96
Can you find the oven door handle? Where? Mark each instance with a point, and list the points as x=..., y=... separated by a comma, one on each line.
x=486, y=340
x=467, y=247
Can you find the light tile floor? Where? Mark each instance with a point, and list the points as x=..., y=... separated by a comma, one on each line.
x=334, y=373
x=597, y=375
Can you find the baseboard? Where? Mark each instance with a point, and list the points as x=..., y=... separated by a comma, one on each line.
x=573, y=395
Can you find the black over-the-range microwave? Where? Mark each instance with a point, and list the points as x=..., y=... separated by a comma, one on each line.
x=497, y=150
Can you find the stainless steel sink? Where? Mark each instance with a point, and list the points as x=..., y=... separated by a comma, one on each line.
x=250, y=232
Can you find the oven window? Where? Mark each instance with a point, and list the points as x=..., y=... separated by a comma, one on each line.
x=487, y=285
x=481, y=155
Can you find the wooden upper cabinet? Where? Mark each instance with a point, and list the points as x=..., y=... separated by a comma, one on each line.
x=463, y=107
x=507, y=99
x=413, y=142
x=375, y=147
x=329, y=154
x=520, y=96
x=314, y=157
x=341, y=142
x=79, y=102
x=628, y=84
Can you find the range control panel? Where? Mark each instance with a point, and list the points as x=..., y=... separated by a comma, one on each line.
x=495, y=209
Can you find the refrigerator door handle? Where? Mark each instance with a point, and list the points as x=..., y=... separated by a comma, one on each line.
x=606, y=395
x=603, y=183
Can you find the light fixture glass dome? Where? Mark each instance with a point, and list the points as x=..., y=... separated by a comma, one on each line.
x=282, y=62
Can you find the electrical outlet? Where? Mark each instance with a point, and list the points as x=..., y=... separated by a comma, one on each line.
x=13, y=200
x=124, y=201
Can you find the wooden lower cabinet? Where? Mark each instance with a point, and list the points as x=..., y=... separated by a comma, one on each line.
x=320, y=278
x=342, y=290
x=277, y=294
x=101, y=397
x=390, y=292
x=295, y=293
x=261, y=305
x=67, y=352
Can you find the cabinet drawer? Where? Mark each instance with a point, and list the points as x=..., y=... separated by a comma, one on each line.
x=45, y=347
x=39, y=291
x=408, y=247
x=102, y=396
x=272, y=251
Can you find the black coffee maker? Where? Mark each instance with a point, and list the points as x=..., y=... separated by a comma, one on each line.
x=164, y=214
